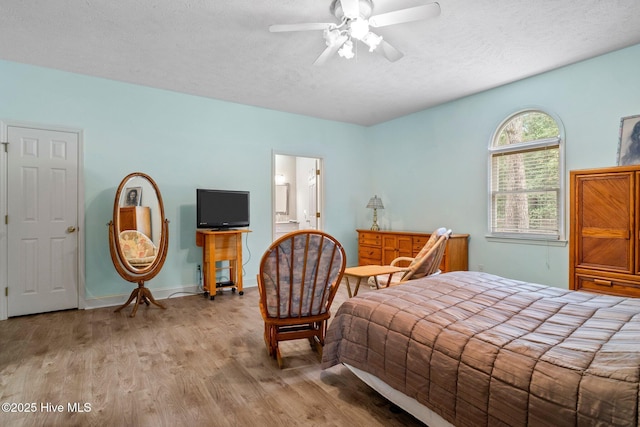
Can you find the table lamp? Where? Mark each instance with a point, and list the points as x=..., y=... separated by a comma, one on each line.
x=375, y=203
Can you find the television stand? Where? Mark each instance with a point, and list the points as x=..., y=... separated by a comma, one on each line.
x=217, y=246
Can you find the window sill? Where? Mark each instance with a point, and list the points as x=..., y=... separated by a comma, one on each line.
x=526, y=240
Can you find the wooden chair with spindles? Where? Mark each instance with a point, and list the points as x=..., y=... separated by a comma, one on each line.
x=298, y=279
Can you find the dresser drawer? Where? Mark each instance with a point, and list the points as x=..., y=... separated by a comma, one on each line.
x=368, y=261
x=370, y=252
x=370, y=239
x=605, y=285
x=418, y=243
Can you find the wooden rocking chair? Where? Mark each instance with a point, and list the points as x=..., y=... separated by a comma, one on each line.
x=298, y=279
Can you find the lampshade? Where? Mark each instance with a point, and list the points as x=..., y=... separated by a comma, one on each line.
x=375, y=203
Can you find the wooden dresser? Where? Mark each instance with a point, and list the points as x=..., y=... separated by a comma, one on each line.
x=382, y=247
x=604, y=250
x=136, y=218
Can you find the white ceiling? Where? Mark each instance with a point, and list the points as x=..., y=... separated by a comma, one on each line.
x=222, y=48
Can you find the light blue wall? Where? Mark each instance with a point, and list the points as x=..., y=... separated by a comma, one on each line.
x=429, y=167
x=439, y=156
x=183, y=142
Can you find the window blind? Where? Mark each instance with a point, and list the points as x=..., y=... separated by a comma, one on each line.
x=525, y=190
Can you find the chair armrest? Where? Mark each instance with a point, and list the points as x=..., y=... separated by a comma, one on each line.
x=401, y=258
x=258, y=280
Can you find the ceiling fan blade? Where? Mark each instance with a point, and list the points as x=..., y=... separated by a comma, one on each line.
x=389, y=52
x=330, y=50
x=350, y=8
x=405, y=15
x=278, y=28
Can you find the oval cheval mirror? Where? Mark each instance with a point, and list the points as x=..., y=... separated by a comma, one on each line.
x=138, y=236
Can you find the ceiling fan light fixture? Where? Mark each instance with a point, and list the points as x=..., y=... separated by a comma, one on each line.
x=346, y=51
x=359, y=28
x=364, y=9
x=355, y=19
x=331, y=36
x=372, y=40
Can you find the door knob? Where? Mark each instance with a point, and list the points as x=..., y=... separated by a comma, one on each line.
x=71, y=229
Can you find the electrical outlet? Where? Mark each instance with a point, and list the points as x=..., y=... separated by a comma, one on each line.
x=480, y=267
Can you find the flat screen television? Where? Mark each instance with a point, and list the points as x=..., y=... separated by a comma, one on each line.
x=222, y=208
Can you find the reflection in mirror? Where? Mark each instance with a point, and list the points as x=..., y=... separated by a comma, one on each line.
x=138, y=235
x=139, y=208
x=139, y=211
x=282, y=199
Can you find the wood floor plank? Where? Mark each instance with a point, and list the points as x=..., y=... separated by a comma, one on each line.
x=199, y=362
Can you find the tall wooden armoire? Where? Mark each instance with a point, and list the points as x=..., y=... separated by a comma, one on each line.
x=604, y=245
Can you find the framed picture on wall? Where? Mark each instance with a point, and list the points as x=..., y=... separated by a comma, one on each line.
x=133, y=196
x=629, y=144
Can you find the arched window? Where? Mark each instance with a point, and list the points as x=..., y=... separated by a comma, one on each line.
x=526, y=162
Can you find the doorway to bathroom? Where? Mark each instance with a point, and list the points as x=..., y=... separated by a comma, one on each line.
x=297, y=194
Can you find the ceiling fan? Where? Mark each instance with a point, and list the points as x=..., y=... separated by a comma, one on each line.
x=356, y=19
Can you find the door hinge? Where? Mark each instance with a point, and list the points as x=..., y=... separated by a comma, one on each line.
x=317, y=214
x=6, y=146
x=318, y=172
x=6, y=219
x=6, y=291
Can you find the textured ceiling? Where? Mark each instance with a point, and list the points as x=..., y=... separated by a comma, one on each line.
x=223, y=49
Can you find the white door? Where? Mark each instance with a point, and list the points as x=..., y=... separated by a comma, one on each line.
x=42, y=206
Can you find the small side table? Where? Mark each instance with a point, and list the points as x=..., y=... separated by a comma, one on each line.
x=221, y=245
x=365, y=271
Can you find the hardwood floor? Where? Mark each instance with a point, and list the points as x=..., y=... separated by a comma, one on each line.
x=198, y=363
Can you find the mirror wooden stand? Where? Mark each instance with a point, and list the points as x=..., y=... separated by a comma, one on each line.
x=138, y=236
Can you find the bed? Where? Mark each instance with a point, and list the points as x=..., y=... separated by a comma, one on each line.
x=474, y=349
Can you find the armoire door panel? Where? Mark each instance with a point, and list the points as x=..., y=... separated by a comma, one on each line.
x=606, y=253
x=607, y=201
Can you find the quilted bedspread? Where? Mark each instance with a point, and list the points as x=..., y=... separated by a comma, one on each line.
x=479, y=349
